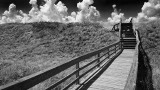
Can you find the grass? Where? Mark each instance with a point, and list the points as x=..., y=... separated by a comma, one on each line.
x=29, y=48
x=150, y=35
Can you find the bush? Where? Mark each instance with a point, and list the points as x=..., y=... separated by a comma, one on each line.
x=150, y=35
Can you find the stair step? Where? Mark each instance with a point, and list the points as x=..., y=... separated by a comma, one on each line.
x=129, y=34
x=129, y=44
x=129, y=47
x=129, y=40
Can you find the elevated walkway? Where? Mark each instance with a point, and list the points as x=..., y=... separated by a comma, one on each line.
x=115, y=77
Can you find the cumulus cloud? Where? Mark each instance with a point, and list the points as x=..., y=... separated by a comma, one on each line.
x=87, y=13
x=116, y=16
x=62, y=9
x=52, y=12
x=12, y=11
x=34, y=11
x=12, y=15
x=150, y=11
x=49, y=12
x=84, y=4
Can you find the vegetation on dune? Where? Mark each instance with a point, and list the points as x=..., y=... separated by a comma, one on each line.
x=29, y=48
x=150, y=36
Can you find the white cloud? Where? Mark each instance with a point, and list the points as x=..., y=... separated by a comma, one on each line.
x=87, y=13
x=74, y=14
x=34, y=11
x=48, y=12
x=62, y=9
x=12, y=11
x=12, y=15
x=106, y=25
x=52, y=12
x=33, y=2
x=116, y=16
x=84, y=4
x=94, y=14
x=150, y=11
x=71, y=18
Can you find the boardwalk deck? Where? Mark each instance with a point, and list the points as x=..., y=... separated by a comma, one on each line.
x=115, y=77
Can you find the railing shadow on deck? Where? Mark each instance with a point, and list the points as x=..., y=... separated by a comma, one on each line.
x=144, y=75
x=102, y=58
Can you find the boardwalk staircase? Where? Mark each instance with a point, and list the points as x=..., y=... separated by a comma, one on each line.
x=127, y=36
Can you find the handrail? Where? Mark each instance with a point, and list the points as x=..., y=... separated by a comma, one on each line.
x=102, y=55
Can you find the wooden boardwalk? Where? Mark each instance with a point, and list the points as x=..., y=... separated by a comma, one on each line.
x=115, y=77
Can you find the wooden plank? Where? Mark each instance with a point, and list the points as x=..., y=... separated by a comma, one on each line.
x=111, y=80
x=108, y=88
x=103, y=87
x=116, y=75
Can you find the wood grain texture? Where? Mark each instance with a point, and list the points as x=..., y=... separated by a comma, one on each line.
x=115, y=77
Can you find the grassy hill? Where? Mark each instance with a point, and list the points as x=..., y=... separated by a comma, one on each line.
x=150, y=35
x=29, y=48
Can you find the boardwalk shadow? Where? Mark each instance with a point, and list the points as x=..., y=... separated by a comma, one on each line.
x=144, y=76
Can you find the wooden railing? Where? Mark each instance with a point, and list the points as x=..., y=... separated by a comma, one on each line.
x=78, y=70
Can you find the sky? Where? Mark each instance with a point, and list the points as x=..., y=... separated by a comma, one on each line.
x=110, y=11
x=129, y=7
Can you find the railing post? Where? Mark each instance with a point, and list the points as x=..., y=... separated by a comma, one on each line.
x=120, y=46
x=120, y=30
x=98, y=59
x=77, y=74
x=115, y=49
x=108, y=53
x=120, y=34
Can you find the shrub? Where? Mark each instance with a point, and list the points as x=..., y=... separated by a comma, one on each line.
x=150, y=35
